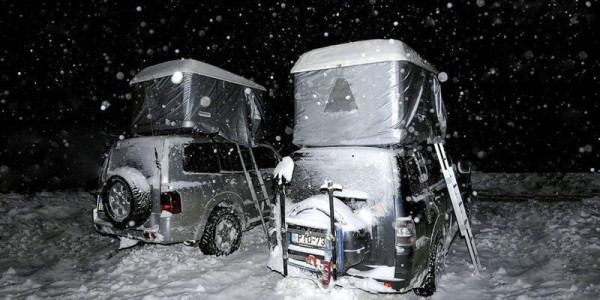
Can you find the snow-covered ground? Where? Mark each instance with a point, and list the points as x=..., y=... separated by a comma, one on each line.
x=546, y=186
x=48, y=248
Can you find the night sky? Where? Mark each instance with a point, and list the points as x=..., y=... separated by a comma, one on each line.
x=522, y=95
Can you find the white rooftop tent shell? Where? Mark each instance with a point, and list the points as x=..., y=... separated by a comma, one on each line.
x=359, y=53
x=201, y=98
x=192, y=66
x=374, y=92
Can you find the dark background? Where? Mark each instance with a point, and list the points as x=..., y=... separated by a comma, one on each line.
x=522, y=93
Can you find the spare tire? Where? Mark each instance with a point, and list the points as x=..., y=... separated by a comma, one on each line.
x=126, y=200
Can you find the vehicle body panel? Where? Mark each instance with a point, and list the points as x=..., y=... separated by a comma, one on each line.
x=160, y=159
x=400, y=183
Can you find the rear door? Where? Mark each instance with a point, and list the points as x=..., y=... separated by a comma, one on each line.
x=417, y=196
x=194, y=174
x=234, y=179
x=436, y=183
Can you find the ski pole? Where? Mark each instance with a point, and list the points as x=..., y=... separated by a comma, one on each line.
x=331, y=187
x=282, y=230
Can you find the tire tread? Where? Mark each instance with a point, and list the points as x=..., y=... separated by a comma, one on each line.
x=207, y=242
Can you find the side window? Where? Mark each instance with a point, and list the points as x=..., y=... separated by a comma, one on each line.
x=416, y=171
x=433, y=166
x=200, y=158
x=230, y=160
x=265, y=158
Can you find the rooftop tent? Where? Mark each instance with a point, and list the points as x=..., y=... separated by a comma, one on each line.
x=191, y=95
x=375, y=92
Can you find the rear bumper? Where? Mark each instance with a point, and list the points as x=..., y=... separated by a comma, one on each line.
x=353, y=279
x=157, y=234
x=356, y=247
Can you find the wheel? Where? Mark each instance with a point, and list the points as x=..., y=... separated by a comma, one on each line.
x=125, y=204
x=222, y=234
x=437, y=264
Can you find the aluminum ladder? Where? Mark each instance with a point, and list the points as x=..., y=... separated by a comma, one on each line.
x=256, y=184
x=459, y=209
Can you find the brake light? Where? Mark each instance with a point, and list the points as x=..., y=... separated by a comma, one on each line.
x=171, y=202
x=405, y=231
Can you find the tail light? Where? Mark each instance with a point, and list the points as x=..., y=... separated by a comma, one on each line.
x=405, y=231
x=171, y=202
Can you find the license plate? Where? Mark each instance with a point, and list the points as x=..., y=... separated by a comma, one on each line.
x=311, y=240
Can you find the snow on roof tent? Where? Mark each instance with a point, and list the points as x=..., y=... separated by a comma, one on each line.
x=368, y=93
x=195, y=67
x=188, y=95
x=359, y=53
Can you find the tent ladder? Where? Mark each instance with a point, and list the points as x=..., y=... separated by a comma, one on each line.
x=459, y=209
x=256, y=184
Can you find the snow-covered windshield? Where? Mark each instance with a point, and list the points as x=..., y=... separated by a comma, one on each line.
x=368, y=170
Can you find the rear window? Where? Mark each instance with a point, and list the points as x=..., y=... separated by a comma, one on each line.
x=230, y=160
x=360, y=170
x=200, y=158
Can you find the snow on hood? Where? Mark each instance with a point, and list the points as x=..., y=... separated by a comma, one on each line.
x=314, y=212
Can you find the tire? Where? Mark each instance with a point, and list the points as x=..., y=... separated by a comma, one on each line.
x=437, y=264
x=222, y=234
x=134, y=210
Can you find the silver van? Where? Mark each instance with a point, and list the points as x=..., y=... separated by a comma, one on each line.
x=184, y=188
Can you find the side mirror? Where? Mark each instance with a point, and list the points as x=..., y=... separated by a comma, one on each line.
x=464, y=167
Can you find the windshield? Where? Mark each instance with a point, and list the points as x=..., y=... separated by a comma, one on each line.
x=367, y=170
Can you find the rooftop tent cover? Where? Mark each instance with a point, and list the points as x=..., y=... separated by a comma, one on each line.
x=375, y=92
x=188, y=94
